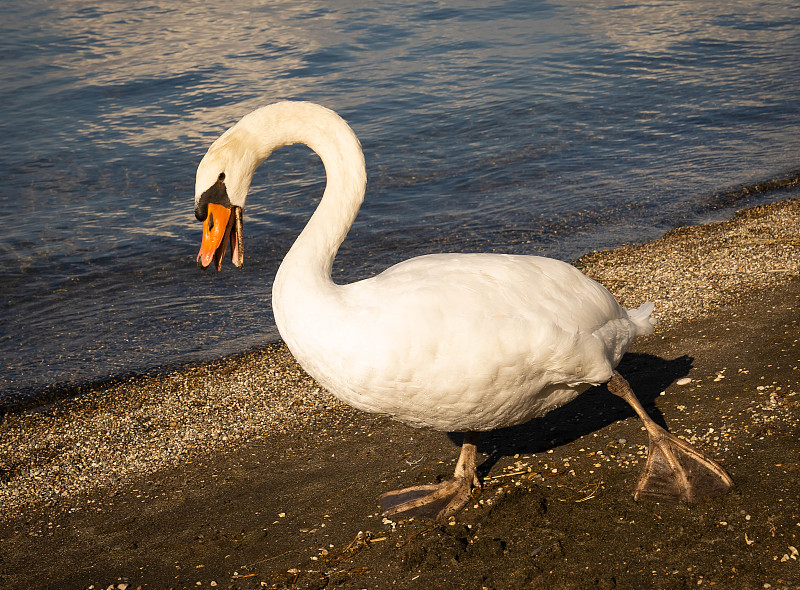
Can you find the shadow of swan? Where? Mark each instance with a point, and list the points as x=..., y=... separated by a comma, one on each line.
x=591, y=411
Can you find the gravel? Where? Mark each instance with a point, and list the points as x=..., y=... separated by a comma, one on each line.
x=692, y=271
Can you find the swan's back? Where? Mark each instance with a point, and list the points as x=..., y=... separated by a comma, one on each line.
x=460, y=342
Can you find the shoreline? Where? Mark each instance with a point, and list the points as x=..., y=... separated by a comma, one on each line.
x=605, y=266
x=185, y=407
x=59, y=462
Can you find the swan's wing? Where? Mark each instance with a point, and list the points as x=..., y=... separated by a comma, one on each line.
x=485, y=314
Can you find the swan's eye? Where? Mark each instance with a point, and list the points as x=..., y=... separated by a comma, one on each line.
x=221, y=176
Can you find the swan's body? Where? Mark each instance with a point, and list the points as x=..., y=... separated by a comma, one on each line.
x=456, y=342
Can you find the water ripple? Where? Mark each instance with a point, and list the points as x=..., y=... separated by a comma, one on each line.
x=514, y=126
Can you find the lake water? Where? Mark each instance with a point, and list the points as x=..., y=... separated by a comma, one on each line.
x=521, y=126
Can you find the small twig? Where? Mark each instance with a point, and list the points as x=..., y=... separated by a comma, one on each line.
x=410, y=538
x=587, y=497
x=361, y=542
x=506, y=475
x=270, y=558
x=590, y=496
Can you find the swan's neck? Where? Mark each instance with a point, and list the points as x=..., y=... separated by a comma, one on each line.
x=311, y=256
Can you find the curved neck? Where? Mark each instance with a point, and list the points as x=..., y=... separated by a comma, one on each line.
x=340, y=151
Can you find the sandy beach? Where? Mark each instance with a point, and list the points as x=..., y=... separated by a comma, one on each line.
x=243, y=473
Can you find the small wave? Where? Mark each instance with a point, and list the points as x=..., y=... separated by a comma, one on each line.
x=731, y=197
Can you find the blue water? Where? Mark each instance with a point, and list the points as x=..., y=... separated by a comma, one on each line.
x=518, y=126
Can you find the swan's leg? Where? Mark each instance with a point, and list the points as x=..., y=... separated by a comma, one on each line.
x=439, y=500
x=675, y=470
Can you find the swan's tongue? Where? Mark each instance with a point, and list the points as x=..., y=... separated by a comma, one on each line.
x=216, y=228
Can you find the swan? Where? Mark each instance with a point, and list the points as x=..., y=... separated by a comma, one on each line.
x=454, y=342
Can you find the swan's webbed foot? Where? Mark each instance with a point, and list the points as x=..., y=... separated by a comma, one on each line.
x=438, y=501
x=675, y=470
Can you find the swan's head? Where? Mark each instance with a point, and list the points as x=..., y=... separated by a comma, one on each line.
x=221, y=185
x=225, y=172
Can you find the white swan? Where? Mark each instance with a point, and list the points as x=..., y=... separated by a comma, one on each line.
x=455, y=342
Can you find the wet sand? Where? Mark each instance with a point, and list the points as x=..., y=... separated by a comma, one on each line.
x=243, y=474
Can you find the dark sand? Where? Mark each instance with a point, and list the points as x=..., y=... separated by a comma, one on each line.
x=296, y=507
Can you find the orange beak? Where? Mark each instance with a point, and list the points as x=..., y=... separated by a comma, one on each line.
x=216, y=230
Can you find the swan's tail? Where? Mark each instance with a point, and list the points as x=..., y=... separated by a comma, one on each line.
x=642, y=319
